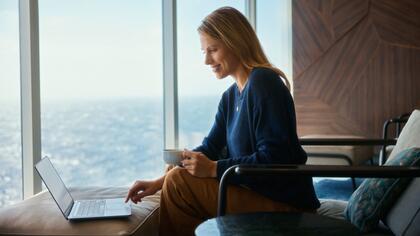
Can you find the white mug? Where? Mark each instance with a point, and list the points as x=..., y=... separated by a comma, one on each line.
x=172, y=156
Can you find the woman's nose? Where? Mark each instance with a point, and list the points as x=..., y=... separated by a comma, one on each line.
x=207, y=59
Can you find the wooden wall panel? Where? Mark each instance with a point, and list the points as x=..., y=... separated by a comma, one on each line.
x=381, y=84
x=398, y=22
x=314, y=36
x=324, y=7
x=345, y=14
x=356, y=64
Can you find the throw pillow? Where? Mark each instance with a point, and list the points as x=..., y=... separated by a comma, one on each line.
x=375, y=196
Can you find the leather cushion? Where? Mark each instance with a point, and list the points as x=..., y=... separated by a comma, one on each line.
x=40, y=215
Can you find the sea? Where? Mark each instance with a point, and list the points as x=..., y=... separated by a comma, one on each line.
x=100, y=142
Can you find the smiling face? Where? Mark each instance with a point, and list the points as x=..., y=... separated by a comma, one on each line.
x=218, y=56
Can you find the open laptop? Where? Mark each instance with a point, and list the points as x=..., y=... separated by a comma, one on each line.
x=79, y=209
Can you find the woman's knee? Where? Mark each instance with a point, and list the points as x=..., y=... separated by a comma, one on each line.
x=175, y=177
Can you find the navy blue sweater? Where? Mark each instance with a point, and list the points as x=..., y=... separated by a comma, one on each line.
x=258, y=126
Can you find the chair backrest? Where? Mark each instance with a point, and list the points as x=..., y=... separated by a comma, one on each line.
x=410, y=135
x=398, y=123
x=404, y=217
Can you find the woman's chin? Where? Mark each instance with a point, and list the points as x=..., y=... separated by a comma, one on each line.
x=220, y=75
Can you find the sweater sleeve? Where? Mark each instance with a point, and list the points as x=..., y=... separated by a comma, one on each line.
x=273, y=124
x=215, y=141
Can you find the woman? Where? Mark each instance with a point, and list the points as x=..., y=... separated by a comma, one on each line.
x=255, y=122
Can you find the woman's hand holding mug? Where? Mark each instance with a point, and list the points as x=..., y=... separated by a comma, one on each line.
x=198, y=164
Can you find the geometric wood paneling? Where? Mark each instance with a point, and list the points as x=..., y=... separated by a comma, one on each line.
x=312, y=26
x=345, y=14
x=355, y=64
x=388, y=17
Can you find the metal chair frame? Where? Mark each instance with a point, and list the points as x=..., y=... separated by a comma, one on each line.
x=308, y=170
x=399, y=122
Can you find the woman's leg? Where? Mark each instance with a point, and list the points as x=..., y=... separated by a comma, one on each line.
x=186, y=201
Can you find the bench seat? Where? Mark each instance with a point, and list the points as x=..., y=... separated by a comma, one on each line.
x=39, y=215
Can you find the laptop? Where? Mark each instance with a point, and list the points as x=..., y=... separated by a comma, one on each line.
x=79, y=209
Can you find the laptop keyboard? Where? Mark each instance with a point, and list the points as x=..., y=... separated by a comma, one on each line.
x=91, y=208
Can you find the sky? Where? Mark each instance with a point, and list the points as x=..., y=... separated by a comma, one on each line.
x=110, y=48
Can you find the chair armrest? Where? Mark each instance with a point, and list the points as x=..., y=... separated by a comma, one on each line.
x=349, y=142
x=346, y=142
x=310, y=170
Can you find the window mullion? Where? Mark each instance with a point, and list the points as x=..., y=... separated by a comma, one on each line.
x=251, y=12
x=170, y=87
x=30, y=95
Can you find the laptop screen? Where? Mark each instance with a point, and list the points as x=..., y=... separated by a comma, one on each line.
x=54, y=184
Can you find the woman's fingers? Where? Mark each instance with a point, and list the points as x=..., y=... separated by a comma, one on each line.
x=189, y=162
x=130, y=194
x=191, y=154
x=186, y=154
x=137, y=198
x=137, y=186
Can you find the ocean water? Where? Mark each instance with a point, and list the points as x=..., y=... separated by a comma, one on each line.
x=10, y=152
x=100, y=142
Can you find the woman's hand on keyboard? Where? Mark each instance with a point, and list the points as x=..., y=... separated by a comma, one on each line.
x=141, y=189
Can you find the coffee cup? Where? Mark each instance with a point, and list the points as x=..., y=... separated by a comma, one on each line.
x=172, y=156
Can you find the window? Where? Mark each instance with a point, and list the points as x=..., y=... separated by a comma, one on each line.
x=276, y=41
x=101, y=85
x=101, y=89
x=10, y=138
x=199, y=91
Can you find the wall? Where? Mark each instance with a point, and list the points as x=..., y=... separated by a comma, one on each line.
x=355, y=64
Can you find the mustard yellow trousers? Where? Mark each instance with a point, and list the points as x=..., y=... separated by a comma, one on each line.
x=186, y=201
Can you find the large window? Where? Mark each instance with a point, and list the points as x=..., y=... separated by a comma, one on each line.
x=198, y=90
x=101, y=85
x=10, y=138
x=276, y=41
x=101, y=89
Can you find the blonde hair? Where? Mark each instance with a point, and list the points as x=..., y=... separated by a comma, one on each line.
x=233, y=29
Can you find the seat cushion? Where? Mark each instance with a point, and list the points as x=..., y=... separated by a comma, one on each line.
x=332, y=208
x=357, y=155
x=335, y=209
x=40, y=215
x=375, y=196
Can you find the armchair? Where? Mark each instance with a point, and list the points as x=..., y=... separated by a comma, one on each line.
x=403, y=215
x=310, y=170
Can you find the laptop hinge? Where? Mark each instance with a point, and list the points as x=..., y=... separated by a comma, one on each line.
x=68, y=210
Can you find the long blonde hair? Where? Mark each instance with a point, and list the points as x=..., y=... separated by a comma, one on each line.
x=233, y=29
